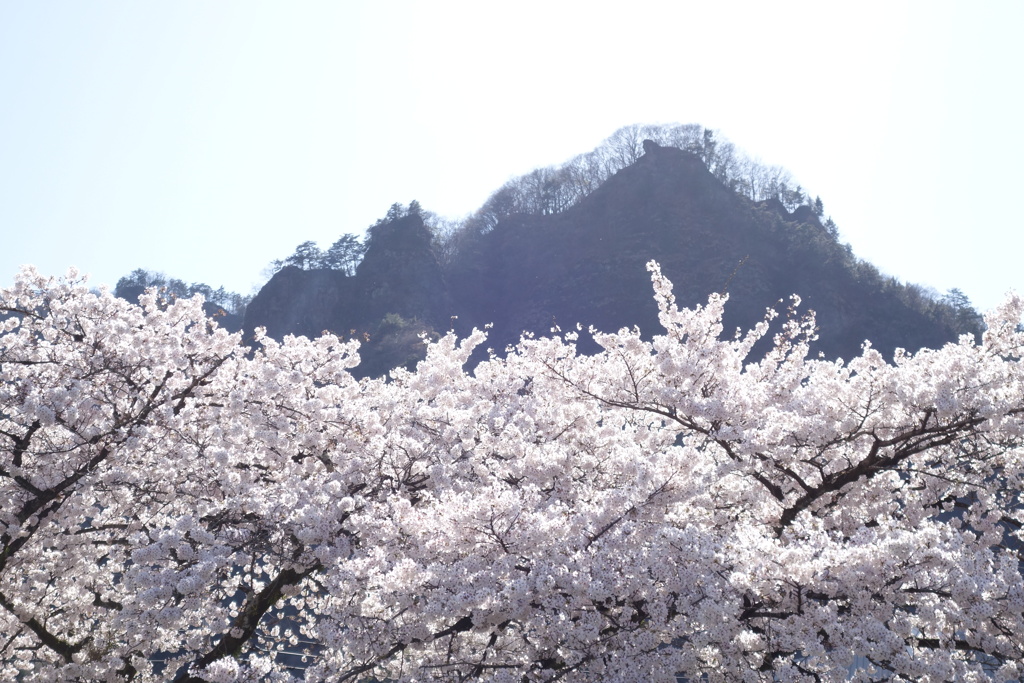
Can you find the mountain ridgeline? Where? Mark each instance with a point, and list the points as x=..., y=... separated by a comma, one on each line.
x=582, y=260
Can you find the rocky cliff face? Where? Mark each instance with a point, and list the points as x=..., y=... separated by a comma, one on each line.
x=397, y=294
x=587, y=265
x=303, y=302
x=400, y=275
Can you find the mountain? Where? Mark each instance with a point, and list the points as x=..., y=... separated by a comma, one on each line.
x=586, y=264
x=397, y=293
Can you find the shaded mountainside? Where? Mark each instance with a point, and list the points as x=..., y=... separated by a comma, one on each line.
x=397, y=293
x=586, y=265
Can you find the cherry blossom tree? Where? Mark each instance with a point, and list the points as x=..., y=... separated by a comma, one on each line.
x=175, y=506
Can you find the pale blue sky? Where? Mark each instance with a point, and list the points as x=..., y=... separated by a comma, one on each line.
x=204, y=139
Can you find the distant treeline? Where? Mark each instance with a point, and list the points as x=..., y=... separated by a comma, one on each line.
x=131, y=286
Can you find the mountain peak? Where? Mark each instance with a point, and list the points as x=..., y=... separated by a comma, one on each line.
x=586, y=264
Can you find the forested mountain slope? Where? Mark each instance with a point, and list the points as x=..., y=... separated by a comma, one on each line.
x=586, y=264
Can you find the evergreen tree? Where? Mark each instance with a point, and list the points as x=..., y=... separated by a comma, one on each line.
x=345, y=254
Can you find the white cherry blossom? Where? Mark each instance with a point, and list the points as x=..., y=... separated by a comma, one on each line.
x=176, y=506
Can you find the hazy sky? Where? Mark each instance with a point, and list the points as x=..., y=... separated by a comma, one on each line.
x=204, y=139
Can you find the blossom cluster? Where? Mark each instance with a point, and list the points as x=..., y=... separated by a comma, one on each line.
x=724, y=507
